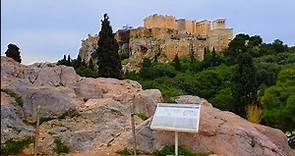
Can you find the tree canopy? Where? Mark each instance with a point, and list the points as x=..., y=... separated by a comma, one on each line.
x=13, y=52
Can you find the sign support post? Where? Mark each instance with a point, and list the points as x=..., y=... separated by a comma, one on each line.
x=176, y=143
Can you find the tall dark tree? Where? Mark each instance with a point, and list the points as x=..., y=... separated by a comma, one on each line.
x=91, y=65
x=108, y=60
x=243, y=82
x=176, y=63
x=69, y=60
x=13, y=52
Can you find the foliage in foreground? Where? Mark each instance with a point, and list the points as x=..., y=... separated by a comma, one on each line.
x=60, y=147
x=14, y=147
x=169, y=150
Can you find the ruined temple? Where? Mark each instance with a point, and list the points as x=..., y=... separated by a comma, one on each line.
x=162, y=37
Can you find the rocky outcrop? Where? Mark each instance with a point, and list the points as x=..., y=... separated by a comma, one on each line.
x=85, y=113
x=222, y=133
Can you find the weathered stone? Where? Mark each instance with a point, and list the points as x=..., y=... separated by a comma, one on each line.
x=146, y=101
x=190, y=99
x=12, y=125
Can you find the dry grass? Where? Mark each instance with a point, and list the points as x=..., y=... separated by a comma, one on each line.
x=254, y=113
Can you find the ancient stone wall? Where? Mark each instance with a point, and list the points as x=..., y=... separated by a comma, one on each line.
x=160, y=21
x=220, y=38
x=158, y=33
x=218, y=24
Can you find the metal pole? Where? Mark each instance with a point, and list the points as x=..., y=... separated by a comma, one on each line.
x=133, y=127
x=176, y=143
x=37, y=130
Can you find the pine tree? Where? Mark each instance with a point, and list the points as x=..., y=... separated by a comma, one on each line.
x=91, y=66
x=176, y=63
x=13, y=52
x=108, y=60
x=69, y=61
x=243, y=86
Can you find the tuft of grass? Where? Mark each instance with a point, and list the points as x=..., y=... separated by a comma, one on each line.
x=116, y=111
x=18, y=99
x=254, y=113
x=60, y=147
x=69, y=114
x=169, y=150
x=141, y=115
x=14, y=147
x=127, y=151
x=124, y=152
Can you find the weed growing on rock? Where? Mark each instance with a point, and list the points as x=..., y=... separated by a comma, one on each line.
x=14, y=147
x=169, y=150
x=18, y=99
x=141, y=115
x=60, y=147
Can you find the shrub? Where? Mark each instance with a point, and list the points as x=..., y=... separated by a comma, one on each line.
x=254, y=113
x=169, y=150
x=14, y=147
x=60, y=147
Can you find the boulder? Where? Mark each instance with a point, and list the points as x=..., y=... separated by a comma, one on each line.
x=12, y=125
x=146, y=101
x=222, y=133
x=54, y=103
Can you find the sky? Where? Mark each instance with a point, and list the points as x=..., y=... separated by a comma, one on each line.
x=45, y=30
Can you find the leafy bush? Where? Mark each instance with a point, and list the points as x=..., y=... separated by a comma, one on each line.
x=169, y=150
x=157, y=70
x=60, y=147
x=14, y=147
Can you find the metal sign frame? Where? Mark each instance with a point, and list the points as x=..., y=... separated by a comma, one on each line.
x=177, y=113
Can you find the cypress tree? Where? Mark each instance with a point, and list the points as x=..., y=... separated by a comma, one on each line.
x=108, y=60
x=13, y=52
x=176, y=63
x=91, y=66
x=69, y=61
x=243, y=82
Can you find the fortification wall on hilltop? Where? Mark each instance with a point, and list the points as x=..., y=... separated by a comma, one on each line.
x=160, y=21
x=220, y=38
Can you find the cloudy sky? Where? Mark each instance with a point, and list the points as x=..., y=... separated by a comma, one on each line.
x=46, y=29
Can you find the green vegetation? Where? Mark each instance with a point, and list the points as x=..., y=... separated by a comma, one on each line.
x=14, y=147
x=13, y=52
x=141, y=115
x=169, y=150
x=115, y=111
x=125, y=152
x=69, y=114
x=18, y=99
x=60, y=147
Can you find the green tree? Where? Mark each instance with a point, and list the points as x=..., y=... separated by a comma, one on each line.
x=243, y=82
x=91, y=66
x=108, y=60
x=278, y=102
x=63, y=61
x=176, y=63
x=69, y=61
x=13, y=52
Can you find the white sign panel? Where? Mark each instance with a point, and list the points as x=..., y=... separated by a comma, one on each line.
x=176, y=117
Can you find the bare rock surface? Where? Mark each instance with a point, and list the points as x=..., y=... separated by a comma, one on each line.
x=12, y=125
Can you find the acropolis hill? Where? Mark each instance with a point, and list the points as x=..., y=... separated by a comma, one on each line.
x=162, y=37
